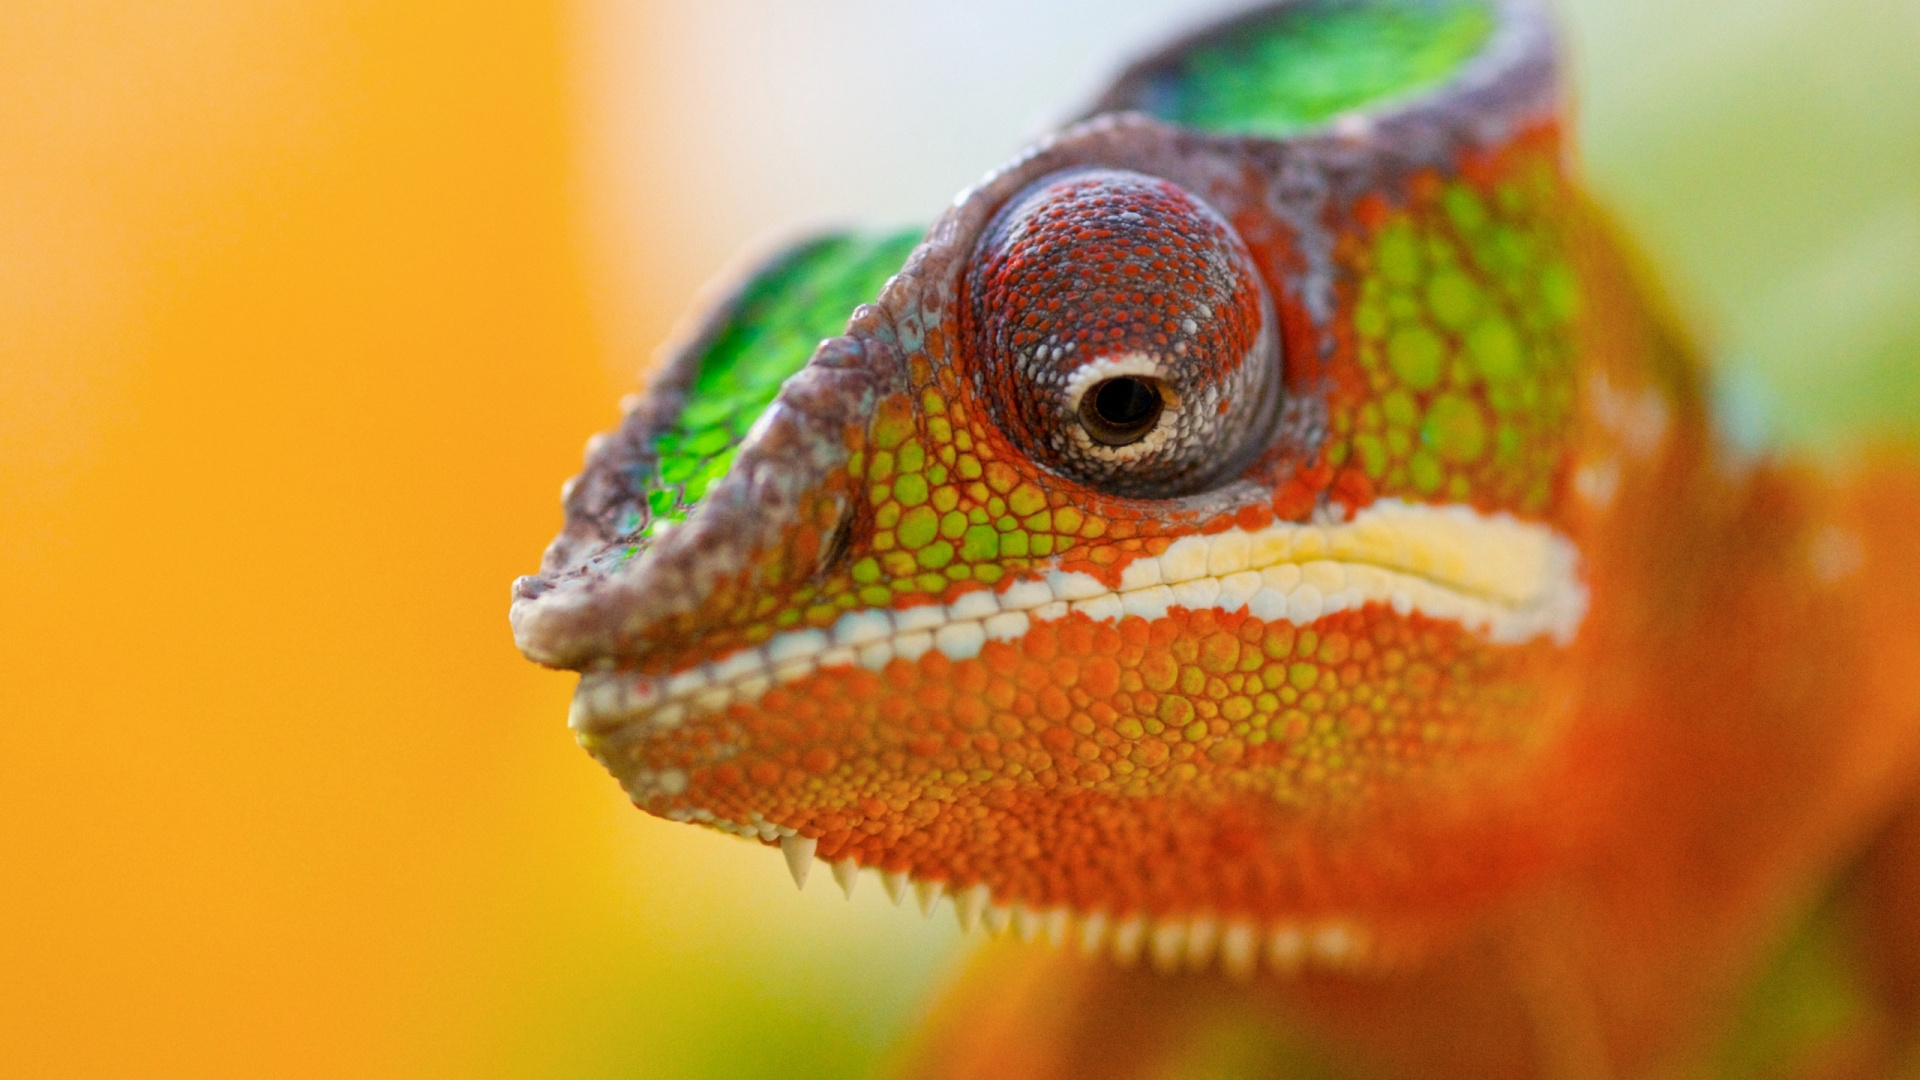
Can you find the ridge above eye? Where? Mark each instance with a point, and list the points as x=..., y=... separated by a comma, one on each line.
x=1120, y=333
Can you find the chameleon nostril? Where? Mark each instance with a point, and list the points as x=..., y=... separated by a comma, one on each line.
x=838, y=545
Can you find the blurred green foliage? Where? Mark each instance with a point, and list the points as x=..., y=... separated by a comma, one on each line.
x=1767, y=154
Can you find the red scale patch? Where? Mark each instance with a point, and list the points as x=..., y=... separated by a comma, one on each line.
x=1121, y=765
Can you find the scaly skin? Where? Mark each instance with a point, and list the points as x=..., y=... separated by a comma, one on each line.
x=1288, y=548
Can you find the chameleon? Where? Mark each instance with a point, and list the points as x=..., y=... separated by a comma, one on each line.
x=1266, y=554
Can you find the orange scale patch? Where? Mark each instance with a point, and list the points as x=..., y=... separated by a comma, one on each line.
x=1109, y=765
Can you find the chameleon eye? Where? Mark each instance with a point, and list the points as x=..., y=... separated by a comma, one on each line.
x=1120, y=334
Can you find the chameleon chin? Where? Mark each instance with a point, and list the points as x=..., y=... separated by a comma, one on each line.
x=1265, y=548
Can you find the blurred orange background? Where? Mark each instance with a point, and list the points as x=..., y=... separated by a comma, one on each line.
x=306, y=309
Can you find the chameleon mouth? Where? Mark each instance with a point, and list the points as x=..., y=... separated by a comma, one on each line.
x=1509, y=580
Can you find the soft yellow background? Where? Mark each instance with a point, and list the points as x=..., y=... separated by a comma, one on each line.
x=305, y=311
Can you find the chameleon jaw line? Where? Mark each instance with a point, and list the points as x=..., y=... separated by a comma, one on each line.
x=1193, y=942
x=1510, y=580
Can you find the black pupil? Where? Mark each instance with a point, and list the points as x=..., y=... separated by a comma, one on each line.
x=1125, y=403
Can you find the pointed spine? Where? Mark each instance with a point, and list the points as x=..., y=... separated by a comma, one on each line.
x=1285, y=948
x=1203, y=933
x=895, y=882
x=799, y=854
x=1055, y=925
x=1093, y=933
x=1128, y=935
x=1027, y=923
x=1167, y=945
x=846, y=873
x=968, y=904
x=1239, y=950
x=927, y=894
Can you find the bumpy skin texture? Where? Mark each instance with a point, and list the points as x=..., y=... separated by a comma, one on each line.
x=1431, y=686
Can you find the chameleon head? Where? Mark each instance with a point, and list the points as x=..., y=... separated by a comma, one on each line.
x=1051, y=587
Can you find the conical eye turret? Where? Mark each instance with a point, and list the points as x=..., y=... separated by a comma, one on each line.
x=1121, y=335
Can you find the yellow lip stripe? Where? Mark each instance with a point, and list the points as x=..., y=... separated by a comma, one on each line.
x=1513, y=581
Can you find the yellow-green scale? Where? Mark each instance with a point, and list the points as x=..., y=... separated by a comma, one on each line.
x=1464, y=326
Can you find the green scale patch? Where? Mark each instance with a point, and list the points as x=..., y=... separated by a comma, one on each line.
x=806, y=295
x=1310, y=63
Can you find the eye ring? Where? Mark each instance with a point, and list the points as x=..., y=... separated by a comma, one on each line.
x=1121, y=334
x=1122, y=410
